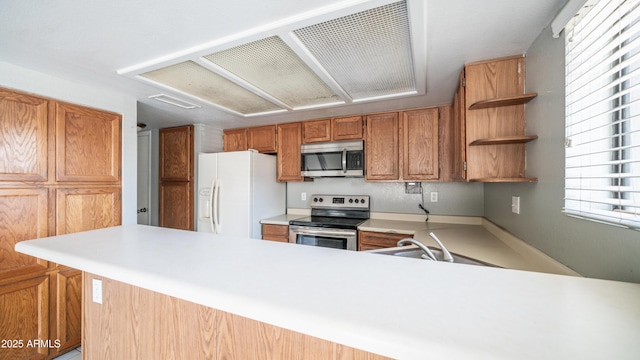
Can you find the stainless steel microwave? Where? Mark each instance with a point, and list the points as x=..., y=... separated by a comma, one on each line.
x=333, y=159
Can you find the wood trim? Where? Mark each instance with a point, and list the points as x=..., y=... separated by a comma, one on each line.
x=127, y=325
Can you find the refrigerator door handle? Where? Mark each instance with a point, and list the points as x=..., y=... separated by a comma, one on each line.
x=211, y=204
x=216, y=208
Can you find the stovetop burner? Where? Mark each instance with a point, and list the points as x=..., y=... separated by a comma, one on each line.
x=336, y=211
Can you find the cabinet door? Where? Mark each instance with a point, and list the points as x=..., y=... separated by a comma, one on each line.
x=347, y=128
x=262, y=138
x=316, y=131
x=23, y=216
x=235, y=140
x=459, y=172
x=82, y=209
x=381, y=147
x=420, y=144
x=87, y=144
x=289, y=141
x=24, y=306
x=176, y=205
x=176, y=153
x=68, y=308
x=23, y=134
x=275, y=232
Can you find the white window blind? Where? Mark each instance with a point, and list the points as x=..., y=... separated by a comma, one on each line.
x=602, y=157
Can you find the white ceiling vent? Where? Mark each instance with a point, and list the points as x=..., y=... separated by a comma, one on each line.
x=367, y=53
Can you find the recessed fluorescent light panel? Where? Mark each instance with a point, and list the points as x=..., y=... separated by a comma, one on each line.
x=352, y=57
x=367, y=53
x=194, y=79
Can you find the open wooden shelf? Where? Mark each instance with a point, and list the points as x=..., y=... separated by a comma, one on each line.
x=504, y=140
x=506, y=101
x=504, y=180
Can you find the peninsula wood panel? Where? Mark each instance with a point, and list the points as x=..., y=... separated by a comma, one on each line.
x=176, y=153
x=87, y=144
x=316, y=131
x=288, y=160
x=25, y=316
x=23, y=216
x=420, y=144
x=82, y=209
x=235, y=140
x=262, y=138
x=382, y=147
x=24, y=137
x=489, y=80
x=127, y=326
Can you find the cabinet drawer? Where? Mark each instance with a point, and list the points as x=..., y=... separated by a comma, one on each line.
x=275, y=232
x=368, y=240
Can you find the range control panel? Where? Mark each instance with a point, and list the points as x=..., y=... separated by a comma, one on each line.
x=340, y=201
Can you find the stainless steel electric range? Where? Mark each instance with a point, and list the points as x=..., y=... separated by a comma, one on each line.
x=333, y=222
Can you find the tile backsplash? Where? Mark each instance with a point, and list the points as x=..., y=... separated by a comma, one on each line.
x=463, y=199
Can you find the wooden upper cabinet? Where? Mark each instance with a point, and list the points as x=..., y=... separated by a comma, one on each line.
x=347, y=128
x=458, y=169
x=262, y=138
x=87, y=144
x=316, y=131
x=420, y=144
x=23, y=134
x=23, y=216
x=176, y=153
x=235, y=140
x=382, y=147
x=289, y=141
x=82, y=209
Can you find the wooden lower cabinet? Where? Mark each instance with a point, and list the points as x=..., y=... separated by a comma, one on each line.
x=176, y=211
x=68, y=308
x=127, y=325
x=371, y=240
x=25, y=318
x=275, y=232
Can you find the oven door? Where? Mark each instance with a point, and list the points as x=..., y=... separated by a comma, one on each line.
x=325, y=237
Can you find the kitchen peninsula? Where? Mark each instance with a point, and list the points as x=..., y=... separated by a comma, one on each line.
x=299, y=298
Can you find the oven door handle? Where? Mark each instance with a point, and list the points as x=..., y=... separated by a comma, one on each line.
x=326, y=233
x=344, y=161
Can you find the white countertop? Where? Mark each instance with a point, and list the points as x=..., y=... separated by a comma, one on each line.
x=281, y=219
x=398, y=307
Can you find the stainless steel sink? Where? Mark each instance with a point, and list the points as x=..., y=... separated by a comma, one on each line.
x=416, y=253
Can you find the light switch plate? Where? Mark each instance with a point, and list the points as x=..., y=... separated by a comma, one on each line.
x=97, y=290
x=515, y=204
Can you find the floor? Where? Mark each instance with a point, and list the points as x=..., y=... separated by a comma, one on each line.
x=75, y=354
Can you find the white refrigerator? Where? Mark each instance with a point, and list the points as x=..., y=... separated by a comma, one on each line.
x=236, y=190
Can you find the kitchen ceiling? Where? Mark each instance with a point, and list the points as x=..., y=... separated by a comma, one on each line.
x=253, y=62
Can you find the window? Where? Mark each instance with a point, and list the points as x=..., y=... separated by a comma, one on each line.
x=602, y=157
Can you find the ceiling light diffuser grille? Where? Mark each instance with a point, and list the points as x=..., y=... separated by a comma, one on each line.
x=368, y=53
x=271, y=66
x=194, y=79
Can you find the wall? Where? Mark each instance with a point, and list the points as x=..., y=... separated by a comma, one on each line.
x=19, y=78
x=464, y=199
x=592, y=249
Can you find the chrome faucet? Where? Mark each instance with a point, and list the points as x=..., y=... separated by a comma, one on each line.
x=427, y=255
x=446, y=255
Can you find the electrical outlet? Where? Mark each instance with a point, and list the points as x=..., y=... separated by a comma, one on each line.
x=434, y=196
x=97, y=290
x=303, y=196
x=515, y=204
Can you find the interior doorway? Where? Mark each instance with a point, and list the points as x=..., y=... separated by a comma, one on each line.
x=144, y=177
